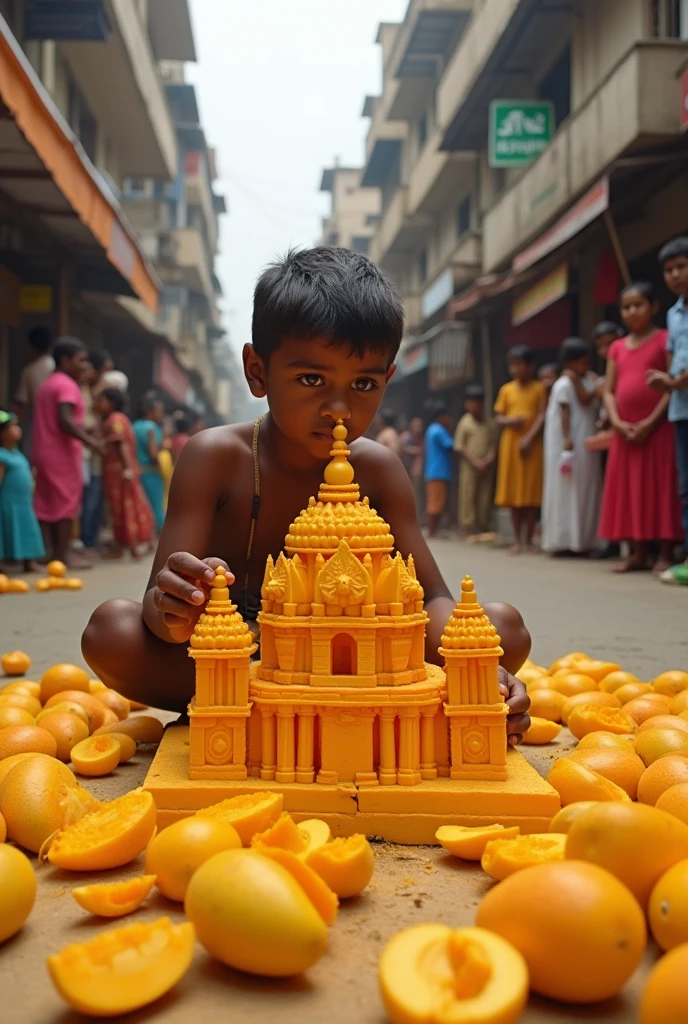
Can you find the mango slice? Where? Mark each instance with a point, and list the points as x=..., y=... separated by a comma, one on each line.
x=503, y=857
x=250, y=814
x=114, y=899
x=318, y=892
x=284, y=834
x=110, y=837
x=431, y=974
x=469, y=842
x=96, y=756
x=123, y=969
x=541, y=731
x=345, y=865
x=315, y=833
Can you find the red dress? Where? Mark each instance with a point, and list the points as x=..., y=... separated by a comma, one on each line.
x=640, y=489
x=132, y=517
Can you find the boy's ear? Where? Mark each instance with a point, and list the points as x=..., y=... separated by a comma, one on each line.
x=390, y=373
x=254, y=371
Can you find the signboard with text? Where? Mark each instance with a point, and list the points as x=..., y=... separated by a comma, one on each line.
x=519, y=131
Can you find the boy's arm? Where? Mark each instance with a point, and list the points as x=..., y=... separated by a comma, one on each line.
x=182, y=574
x=565, y=412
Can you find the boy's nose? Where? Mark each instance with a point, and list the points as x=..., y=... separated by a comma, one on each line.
x=336, y=409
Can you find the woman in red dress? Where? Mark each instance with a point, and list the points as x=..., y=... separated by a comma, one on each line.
x=640, y=502
x=131, y=514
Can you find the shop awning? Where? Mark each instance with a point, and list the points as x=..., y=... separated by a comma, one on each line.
x=45, y=172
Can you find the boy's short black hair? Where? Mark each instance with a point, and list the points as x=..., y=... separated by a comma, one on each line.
x=434, y=408
x=40, y=339
x=327, y=292
x=116, y=398
x=548, y=368
x=67, y=348
x=522, y=352
x=645, y=288
x=676, y=247
x=147, y=404
x=605, y=328
x=476, y=392
x=573, y=349
x=99, y=358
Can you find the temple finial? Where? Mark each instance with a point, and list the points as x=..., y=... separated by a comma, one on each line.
x=339, y=472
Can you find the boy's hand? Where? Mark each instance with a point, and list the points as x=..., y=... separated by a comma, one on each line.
x=183, y=585
x=518, y=720
x=660, y=381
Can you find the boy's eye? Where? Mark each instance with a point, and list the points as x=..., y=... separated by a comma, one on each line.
x=310, y=380
x=364, y=384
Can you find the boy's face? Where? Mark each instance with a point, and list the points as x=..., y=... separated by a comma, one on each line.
x=309, y=385
x=475, y=407
x=580, y=366
x=519, y=369
x=603, y=344
x=676, y=275
x=76, y=366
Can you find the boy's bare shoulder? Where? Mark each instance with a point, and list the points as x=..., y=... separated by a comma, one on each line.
x=223, y=448
x=378, y=468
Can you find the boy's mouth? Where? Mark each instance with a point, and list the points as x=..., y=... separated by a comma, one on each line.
x=322, y=435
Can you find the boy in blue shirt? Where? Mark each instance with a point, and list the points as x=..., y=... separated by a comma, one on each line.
x=674, y=259
x=439, y=448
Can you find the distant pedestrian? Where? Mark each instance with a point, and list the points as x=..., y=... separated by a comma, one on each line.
x=389, y=435
x=475, y=441
x=520, y=411
x=40, y=365
x=640, y=502
x=573, y=475
x=438, y=466
x=20, y=535
x=149, y=438
x=106, y=374
x=56, y=450
x=603, y=337
x=547, y=375
x=130, y=511
x=674, y=258
x=181, y=435
x=93, y=501
x=411, y=450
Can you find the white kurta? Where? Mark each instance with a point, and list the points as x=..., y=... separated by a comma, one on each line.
x=571, y=503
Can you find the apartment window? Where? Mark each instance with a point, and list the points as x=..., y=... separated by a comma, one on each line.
x=333, y=238
x=422, y=131
x=360, y=243
x=423, y=265
x=669, y=19
x=463, y=217
x=81, y=120
x=556, y=86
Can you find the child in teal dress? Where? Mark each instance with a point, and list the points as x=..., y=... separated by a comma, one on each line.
x=20, y=534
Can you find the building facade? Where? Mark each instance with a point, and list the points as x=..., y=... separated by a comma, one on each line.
x=355, y=211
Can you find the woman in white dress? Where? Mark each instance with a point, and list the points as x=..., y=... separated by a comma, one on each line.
x=573, y=475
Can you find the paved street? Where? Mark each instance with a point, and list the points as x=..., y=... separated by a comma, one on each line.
x=567, y=605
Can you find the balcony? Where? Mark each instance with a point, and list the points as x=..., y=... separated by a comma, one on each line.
x=398, y=234
x=184, y=259
x=198, y=192
x=385, y=137
x=637, y=106
x=436, y=177
x=413, y=316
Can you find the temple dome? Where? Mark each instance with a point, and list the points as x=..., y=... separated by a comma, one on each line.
x=221, y=627
x=469, y=628
x=339, y=513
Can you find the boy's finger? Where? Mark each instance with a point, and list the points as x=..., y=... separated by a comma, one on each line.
x=172, y=607
x=517, y=724
x=188, y=565
x=169, y=583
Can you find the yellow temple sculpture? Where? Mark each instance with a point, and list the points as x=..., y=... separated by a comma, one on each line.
x=342, y=713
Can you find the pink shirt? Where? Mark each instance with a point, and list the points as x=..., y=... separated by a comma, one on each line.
x=57, y=455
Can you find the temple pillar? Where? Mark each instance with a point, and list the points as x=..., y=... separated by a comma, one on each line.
x=442, y=743
x=428, y=765
x=388, y=756
x=268, y=746
x=409, y=747
x=285, y=746
x=305, y=771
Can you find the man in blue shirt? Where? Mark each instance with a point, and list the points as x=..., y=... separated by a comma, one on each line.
x=439, y=448
x=674, y=259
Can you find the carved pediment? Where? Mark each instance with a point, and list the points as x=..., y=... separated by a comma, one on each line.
x=343, y=580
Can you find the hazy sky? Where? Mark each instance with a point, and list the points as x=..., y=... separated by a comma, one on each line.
x=281, y=87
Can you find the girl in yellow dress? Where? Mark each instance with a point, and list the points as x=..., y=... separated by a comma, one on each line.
x=520, y=411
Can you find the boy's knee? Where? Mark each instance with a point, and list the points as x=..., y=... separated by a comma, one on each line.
x=109, y=632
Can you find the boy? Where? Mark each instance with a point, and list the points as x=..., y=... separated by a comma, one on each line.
x=326, y=329
x=547, y=375
x=475, y=441
x=674, y=259
x=438, y=465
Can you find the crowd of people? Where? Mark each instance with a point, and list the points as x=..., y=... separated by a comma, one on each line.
x=587, y=462
x=74, y=467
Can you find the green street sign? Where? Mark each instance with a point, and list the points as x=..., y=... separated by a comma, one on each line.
x=519, y=131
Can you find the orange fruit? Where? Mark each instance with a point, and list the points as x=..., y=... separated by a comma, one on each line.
x=174, y=854
x=597, y=670
x=17, y=587
x=541, y=683
x=580, y=930
x=95, y=710
x=606, y=741
x=675, y=801
x=656, y=743
x=10, y=714
x=647, y=706
x=662, y=774
x=73, y=583
x=17, y=890
x=671, y=683
x=95, y=685
x=115, y=702
x=42, y=585
x=25, y=686
x=114, y=899
x=142, y=728
x=572, y=683
x=15, y=663
x=665, y=998
x=21, y=700
x=39, y=796
x=664, y=722
x=630, y=691
x=679, y=703
x=602, y=700
x=8, y=763
x=622, y=767
x=68, y=730
x=668, y=910
x=123, y=969
x=63, y=677
x=569, y=661
x=564, y=819
x=55, y=568
x=504, y=857
x=541, y=731
x=345, y=865
x=593, y=718
x=320, y=894
x=574, y=782
x=249, y=814
x=3, y=829
x=127, y=746
x=113, y=835
x=604, y=835
x=96, y=755
x=615, y=680
x=69, y=706
x=527, y=674
x=18, y=739
x=547, y=704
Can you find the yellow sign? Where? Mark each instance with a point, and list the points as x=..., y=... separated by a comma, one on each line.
x=9, y=297
x=541, y=295
x=36, y=298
